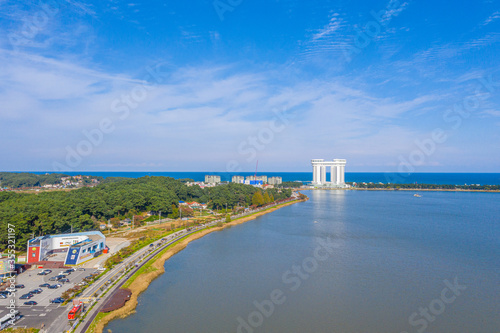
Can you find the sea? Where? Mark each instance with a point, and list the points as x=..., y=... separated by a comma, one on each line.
x=343, y=261
x=306, y=177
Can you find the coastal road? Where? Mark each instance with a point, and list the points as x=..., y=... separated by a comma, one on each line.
x=141, y=257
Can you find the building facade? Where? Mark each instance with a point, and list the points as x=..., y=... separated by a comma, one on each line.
x=274, y=180
x=212, y=179
x=337, y=172
x=238, y=179
x=261, y=178
x=78, y=247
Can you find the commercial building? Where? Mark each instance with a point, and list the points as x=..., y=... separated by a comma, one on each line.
x=274, y=180
x=75, y=248
x=238, y=179
x=337, y=172
x=212, y=179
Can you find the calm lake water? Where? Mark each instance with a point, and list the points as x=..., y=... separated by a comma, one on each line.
x=344, y=261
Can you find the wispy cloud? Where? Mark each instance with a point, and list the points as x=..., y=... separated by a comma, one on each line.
x=493, y=17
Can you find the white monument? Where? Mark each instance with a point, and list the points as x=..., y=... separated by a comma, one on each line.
x=337, y=170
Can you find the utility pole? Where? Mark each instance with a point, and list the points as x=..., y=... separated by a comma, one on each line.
x=159, y=221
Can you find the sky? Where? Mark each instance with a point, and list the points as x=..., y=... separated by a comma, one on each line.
x=395, y=86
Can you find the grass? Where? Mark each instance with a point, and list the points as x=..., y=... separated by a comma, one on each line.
x=96, y=321
x=22, y=330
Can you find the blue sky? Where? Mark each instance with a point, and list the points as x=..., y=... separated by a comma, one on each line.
x=217, y=85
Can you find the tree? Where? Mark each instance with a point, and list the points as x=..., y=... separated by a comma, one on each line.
x=266, y=198
x=257, y=199
x=228, y=218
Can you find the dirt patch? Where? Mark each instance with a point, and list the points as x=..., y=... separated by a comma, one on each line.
x=117, y=300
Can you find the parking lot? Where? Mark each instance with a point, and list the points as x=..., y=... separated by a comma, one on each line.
x=44, y=308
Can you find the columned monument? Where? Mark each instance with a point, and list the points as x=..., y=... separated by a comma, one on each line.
x=337, y=170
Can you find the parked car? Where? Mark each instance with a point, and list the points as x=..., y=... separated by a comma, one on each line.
x=65, y=280
x=54, y=278
x=81, y=269
x=55, y=286
x=20, y=286
x=68, y=271
x=61, y=276
x=57, y=300
x=26, y=296
x=82, y=283
x=88, y=277
x=45, y=285
x=42, y=273
x=30, y=303
x=36, y=291
x=2, y=296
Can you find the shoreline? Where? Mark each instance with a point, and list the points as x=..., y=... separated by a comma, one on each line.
x=142, y=282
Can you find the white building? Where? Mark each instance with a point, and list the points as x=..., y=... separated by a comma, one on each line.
x=77, y=247
x=262, y=178
x=275, y=180
x=238, y=179
x=212, y=179
x=337, y=171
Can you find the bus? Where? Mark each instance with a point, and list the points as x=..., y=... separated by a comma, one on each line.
x=75, y=311
x=9, y=319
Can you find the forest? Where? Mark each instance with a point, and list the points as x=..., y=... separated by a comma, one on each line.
x=25, y=179
x=82, y=209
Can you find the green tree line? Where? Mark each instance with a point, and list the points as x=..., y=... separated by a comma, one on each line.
x=57, y=211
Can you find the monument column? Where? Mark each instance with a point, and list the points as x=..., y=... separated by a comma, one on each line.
x=323, y=174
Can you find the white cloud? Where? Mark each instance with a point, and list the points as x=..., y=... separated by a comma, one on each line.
x=493, y=17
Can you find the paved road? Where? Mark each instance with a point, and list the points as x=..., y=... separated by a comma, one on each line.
x=60, y=324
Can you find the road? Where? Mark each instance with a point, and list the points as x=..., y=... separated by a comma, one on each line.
x=141, y=257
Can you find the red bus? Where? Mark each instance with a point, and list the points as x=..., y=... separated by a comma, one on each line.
x=75, y=312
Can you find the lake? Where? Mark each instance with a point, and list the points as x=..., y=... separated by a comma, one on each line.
x=344, y=261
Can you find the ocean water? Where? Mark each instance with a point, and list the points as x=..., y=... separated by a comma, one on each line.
x=375, y=177
x=344, y=261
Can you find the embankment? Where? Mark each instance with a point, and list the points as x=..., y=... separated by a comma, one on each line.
x=142, y=282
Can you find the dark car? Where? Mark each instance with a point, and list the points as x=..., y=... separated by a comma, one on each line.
x=45, y=285
x=68, y=271
x=61, y=276
x=57, y=300
x=30, y=303
x=36, y=291
x=64, y=280
x=42, y=273
x=20, y=286
x=26, y=296
x=2, y=296
x=54, y=286
x=88, y=277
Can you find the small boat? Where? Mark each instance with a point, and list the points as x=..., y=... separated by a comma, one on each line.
x=417, y=195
